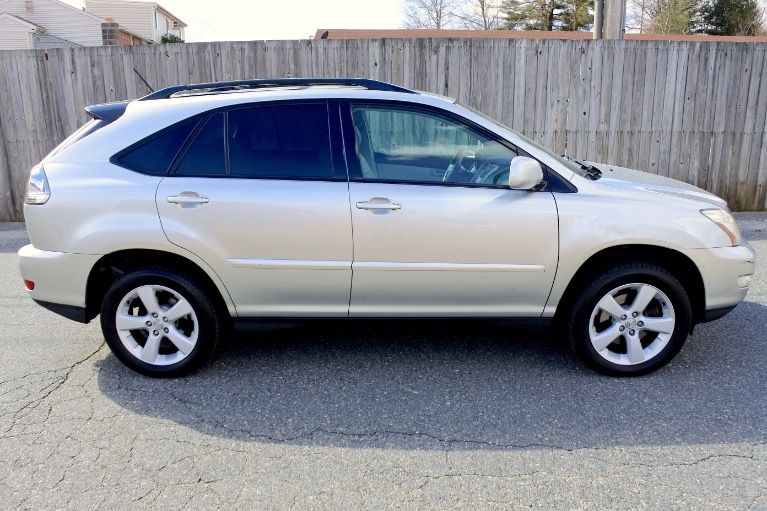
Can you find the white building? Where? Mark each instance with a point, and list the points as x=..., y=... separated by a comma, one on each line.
x=147, y=19
x=21, y=20
x=40, y=24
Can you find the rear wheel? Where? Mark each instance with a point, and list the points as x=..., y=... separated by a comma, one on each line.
x=159, y=323
x=631, y=320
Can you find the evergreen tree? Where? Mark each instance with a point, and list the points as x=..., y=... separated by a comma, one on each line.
x=575, y=15
x=529, y=14
x=548, y=14
x=731, y=17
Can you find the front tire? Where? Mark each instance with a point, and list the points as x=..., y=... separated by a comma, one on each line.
x=159, y=323
x=630, y=320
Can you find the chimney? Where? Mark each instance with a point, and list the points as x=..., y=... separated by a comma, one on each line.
x=110, y=32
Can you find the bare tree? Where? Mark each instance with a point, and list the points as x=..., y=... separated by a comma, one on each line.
x=662, y=16
x=480, y=15
x=430, y=13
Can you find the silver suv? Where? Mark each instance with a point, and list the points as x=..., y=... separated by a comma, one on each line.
x=173, y=215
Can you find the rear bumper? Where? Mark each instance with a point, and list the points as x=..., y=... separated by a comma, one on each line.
x=60, y=279
x=721, y=270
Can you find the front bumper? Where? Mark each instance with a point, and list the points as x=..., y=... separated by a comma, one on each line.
x=60, y=279
x=720, y=269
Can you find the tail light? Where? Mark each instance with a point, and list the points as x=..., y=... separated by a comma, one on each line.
x=38, y=191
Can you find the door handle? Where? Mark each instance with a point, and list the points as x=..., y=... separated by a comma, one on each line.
x=188, y=199
x=378, y=204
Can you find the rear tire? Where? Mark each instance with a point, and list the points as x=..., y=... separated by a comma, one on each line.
x=160, y=323
x=630, y=320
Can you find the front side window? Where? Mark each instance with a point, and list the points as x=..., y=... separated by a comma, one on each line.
x=403, y=144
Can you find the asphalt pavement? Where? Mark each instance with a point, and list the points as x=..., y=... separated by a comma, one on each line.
x=380, y=415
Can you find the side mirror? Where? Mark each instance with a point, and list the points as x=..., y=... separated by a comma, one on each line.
x=525, y=173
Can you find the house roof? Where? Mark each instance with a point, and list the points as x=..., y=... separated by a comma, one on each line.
x=143, y=39
x=64, y=4
x=21, y=21
x=324, y=33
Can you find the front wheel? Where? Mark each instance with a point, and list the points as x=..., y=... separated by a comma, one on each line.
x=159, y=323
x=631, y=320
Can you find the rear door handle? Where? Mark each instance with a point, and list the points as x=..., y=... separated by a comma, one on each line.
x=188, y=198
x=379, y=204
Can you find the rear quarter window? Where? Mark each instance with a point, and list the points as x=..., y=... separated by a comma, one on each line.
x=154, y=154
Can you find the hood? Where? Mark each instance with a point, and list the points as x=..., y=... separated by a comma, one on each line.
x=621, y=177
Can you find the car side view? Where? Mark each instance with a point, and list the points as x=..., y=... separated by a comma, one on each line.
x=177, y=214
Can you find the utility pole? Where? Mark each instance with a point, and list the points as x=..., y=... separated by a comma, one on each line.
x=599, y=16
x=614, y=19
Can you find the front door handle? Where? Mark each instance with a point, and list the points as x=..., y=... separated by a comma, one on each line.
x=188, y=198
x=379, y=204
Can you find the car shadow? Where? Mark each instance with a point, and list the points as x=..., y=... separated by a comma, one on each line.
x=448, y=385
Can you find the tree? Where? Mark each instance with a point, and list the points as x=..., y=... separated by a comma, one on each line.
x=663, y=16
x=731, y=17
x=674, y=17
x=575, y=15
x=430, y=13
x=529, y=14
x=480, y=15
x=548, y=14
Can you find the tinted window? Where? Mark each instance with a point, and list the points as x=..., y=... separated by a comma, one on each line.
x=400, y=144
x=206, y=155
x=91, y=126
x=281, y=141
x=155, y=156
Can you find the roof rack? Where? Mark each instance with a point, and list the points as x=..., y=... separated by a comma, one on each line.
x=277, y=82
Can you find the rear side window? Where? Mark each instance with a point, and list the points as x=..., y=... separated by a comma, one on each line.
x=155, y=154
x=206, y=156
x=280, y=141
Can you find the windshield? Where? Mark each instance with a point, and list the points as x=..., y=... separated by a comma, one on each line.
x=575, y=167
x=89, y=127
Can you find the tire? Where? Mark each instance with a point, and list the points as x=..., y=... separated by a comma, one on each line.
x=630, y=320
x=160, y=323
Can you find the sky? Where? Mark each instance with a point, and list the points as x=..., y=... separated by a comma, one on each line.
x=246, y=20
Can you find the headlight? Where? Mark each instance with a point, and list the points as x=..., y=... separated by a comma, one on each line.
x=726, y=222
x=38, y=191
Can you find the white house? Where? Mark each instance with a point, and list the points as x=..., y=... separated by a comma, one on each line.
x=147, y=19
x=26, y=24
x=16, y=32
x=48, y=16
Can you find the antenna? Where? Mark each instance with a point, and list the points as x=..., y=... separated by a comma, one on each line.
x=145, y=82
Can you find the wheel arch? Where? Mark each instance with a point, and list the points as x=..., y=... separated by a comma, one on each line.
x=681, y=266
x=111, y=266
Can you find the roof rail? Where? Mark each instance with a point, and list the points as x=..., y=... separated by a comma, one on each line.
x=277, y=82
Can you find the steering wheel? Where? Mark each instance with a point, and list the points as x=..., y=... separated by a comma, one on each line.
x=455, y=163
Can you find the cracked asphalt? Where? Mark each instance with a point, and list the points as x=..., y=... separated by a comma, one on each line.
x=374, y=415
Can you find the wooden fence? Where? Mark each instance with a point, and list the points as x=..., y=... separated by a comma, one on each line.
x=695, y=111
